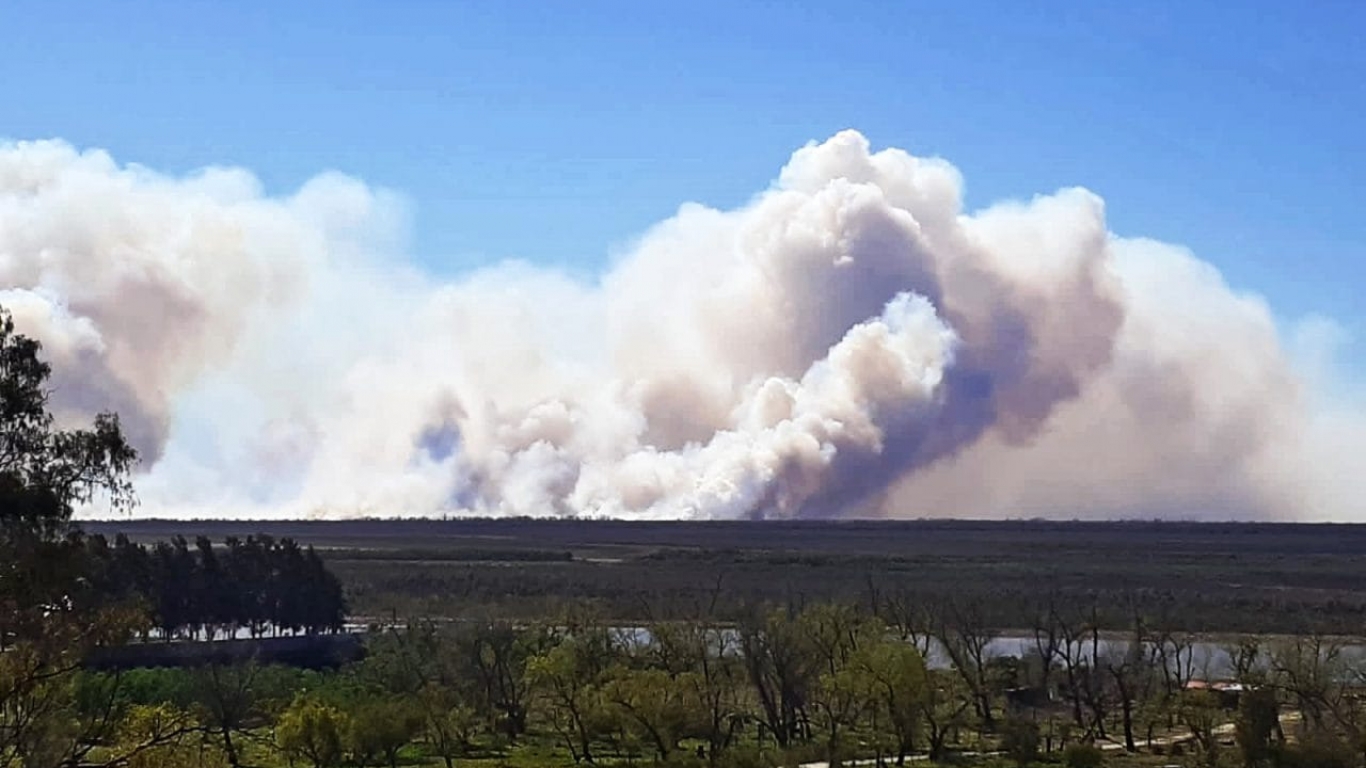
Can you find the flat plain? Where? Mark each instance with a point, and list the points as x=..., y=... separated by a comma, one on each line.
x=1204, y=577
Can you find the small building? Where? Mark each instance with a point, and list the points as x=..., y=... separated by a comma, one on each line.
x=1227, y=693
x=1021, y=700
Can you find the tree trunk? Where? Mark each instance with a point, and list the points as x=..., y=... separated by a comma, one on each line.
x=230, y=750
x=981, y=702
x=1127, y=710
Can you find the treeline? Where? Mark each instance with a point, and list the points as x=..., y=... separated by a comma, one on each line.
x=461, y=555
x=258, y=584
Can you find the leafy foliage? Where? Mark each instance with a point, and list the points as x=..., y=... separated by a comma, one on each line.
x=1083, y=756
x=313, y=731
x=1020, y=740
x=65, y=596
x=49, y=617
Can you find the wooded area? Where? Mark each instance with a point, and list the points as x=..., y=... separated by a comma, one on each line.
x=256, y=584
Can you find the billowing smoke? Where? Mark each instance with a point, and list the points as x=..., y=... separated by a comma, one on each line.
x=849, y=342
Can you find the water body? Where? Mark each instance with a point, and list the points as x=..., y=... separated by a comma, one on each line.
x=242, y=633
x=1197, y=659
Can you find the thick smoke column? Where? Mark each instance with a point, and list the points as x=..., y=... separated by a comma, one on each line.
x=138, y=284
x=849, y=342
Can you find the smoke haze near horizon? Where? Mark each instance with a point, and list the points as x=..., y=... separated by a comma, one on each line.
x=851, y=342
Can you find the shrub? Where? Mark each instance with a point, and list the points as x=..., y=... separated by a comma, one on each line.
x=1317, y=751
x=1020, y=740
x=1083, y=756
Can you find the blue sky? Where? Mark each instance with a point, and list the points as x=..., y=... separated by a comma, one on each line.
x=557, y=131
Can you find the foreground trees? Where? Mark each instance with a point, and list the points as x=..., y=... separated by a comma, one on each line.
x=49, y=617
x=694, y=694
x=64, y=596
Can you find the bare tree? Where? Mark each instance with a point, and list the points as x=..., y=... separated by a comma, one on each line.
x=781, y=670
x=963, y=632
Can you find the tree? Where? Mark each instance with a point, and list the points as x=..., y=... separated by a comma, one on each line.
x=1131, y=671
x=838, y=698
x=212, y=598
x=652, y=704
x=1077, y=646
x=1199, y=710
x=423, y=666
x=909, y=617
x=781, y=667
x=450, y=726
x=943, y=710
x=198, y=592
x=899, y=688
x=382, y=729
x=1246, y=656
x=965, y=635
x=46, y=472
x=1256, y=726
x=1309, y=669
x=698, y=654
x=835, y=635
x=569, y=678
x=497, y=656
x=49, y=617
x=159, y=736
x=228, y=702
x=314, y=731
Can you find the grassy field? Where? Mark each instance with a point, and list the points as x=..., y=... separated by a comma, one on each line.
x=1200, y=577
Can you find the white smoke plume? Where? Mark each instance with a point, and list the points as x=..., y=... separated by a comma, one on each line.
x=850, y=342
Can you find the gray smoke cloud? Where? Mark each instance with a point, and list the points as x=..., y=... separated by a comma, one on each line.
x=851, y=341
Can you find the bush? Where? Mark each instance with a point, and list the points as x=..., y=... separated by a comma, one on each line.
x=1317, y=751
x=744, y=757
x=1020, y=740
x=1083, y=756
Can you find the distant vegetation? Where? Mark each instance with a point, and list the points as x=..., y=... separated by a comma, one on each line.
x=1211, y=578
x=459, y=555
